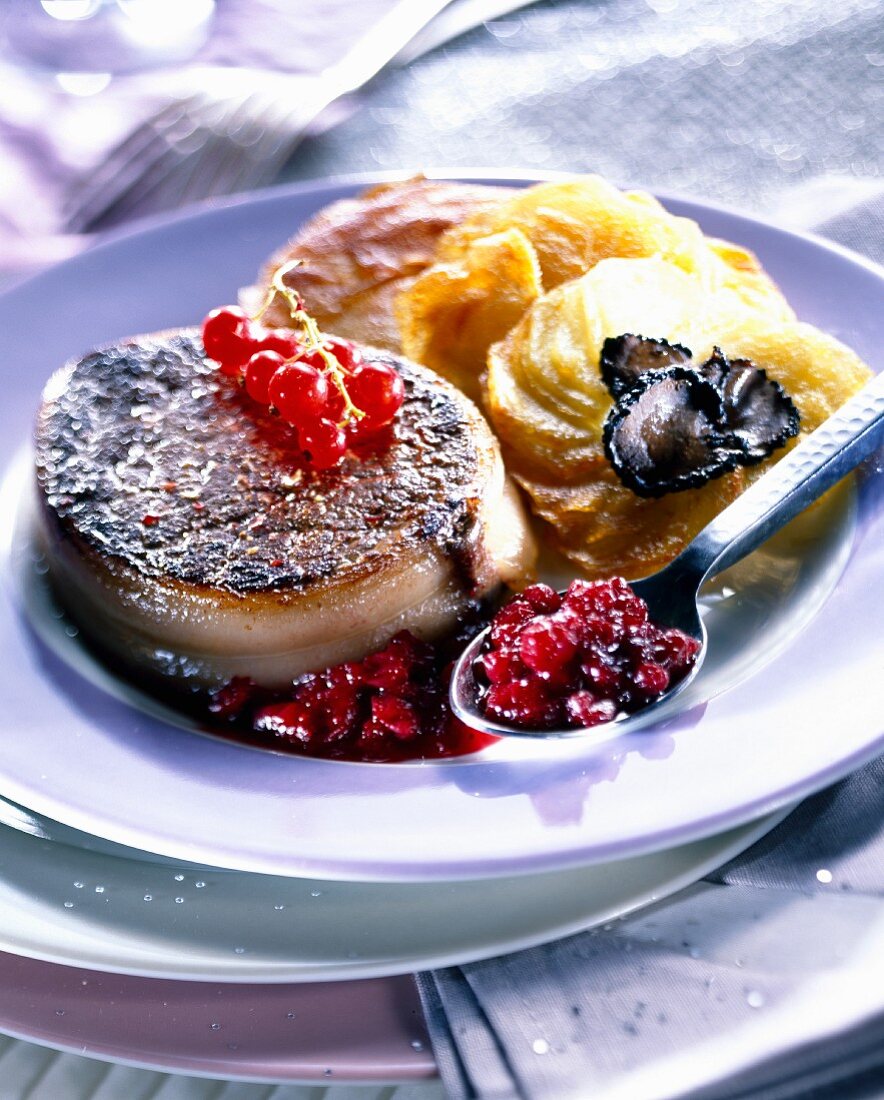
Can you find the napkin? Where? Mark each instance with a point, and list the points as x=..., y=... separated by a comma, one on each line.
x=765, y=980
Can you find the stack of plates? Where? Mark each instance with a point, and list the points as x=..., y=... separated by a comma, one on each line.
x=256, y=916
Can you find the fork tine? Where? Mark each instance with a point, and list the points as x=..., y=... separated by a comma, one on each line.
x=217, y=170
x=156, y=123
x=210, y=173
x=128, y=151
x=125, y=162
x=253, y=171
x=172, y=179
x=260, y=162
x=245, y=165
x=130, y=198
x=223, y=162
x=208, y=170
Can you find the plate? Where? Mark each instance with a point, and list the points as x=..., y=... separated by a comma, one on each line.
x=68, y=905
x=345, y=1031
x=790, y=699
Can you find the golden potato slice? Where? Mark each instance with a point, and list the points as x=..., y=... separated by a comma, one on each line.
x=544, y=391
x=547, y=402
x=606, y=530
x=817, y=371
x=456, y=311
x=357, y=254
x=573, y=224
x=739, y=270
x=451, y=314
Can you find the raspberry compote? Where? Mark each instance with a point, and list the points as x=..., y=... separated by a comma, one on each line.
x=553, y=662
x=390, y=706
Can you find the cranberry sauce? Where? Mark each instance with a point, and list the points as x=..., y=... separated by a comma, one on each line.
x=557, y=663
x=391, y=706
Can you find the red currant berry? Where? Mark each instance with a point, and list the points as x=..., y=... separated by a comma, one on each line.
x=633, y=611
x=500, y=665
x=259, y=370
x=334, y=406
x=291, y=721
x=312, y=359
x=340, y=707
x=333, y=409
x=587, y=597
x=508, y=622
x=324, y=442
x=228, y=338
x=387, y=669
x=603, y=677
x=597, y=633
x=347, y=354
x=222, y=323
x=522, y=702
x=281, y=341
x=395, y=715
x=231, y=699
x=379, y=391
x=299, y=392
x=676, y=651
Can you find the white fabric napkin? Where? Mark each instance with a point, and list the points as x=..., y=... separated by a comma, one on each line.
x=766, y=980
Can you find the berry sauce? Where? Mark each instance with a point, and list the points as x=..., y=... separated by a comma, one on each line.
x=553, y=662
x=391, y=706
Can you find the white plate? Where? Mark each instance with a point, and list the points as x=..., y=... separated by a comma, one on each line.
x=68, y=905
x=790, y=699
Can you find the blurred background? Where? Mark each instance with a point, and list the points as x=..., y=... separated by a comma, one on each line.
x=769, y=106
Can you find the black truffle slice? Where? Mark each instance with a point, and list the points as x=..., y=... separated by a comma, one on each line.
x=626, y=358
x=664, y=435
x=757, y=411
x=715, y=369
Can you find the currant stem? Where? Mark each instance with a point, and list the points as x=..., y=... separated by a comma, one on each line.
x=314, y=337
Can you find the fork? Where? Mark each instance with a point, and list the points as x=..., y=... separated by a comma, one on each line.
x=238, y=130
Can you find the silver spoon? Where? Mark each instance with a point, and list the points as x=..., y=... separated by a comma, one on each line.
x=799, y=478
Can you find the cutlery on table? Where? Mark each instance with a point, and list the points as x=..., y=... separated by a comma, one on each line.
x=240, y=127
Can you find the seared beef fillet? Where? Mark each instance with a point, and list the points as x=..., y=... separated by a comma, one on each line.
x=187, y=534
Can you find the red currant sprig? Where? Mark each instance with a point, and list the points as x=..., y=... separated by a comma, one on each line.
x=320, y=384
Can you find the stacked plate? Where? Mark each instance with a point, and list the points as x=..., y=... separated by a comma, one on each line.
x=257, y=916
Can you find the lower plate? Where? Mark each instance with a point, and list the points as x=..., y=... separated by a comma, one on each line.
x=69, y=905
x=348, y=1031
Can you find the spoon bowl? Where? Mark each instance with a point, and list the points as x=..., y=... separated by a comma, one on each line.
x=825, y=456
x=663, y=609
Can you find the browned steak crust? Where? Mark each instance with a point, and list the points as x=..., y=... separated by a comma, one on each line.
x=147, y=456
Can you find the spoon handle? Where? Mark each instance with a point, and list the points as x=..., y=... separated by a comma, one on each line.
x=800, y=477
